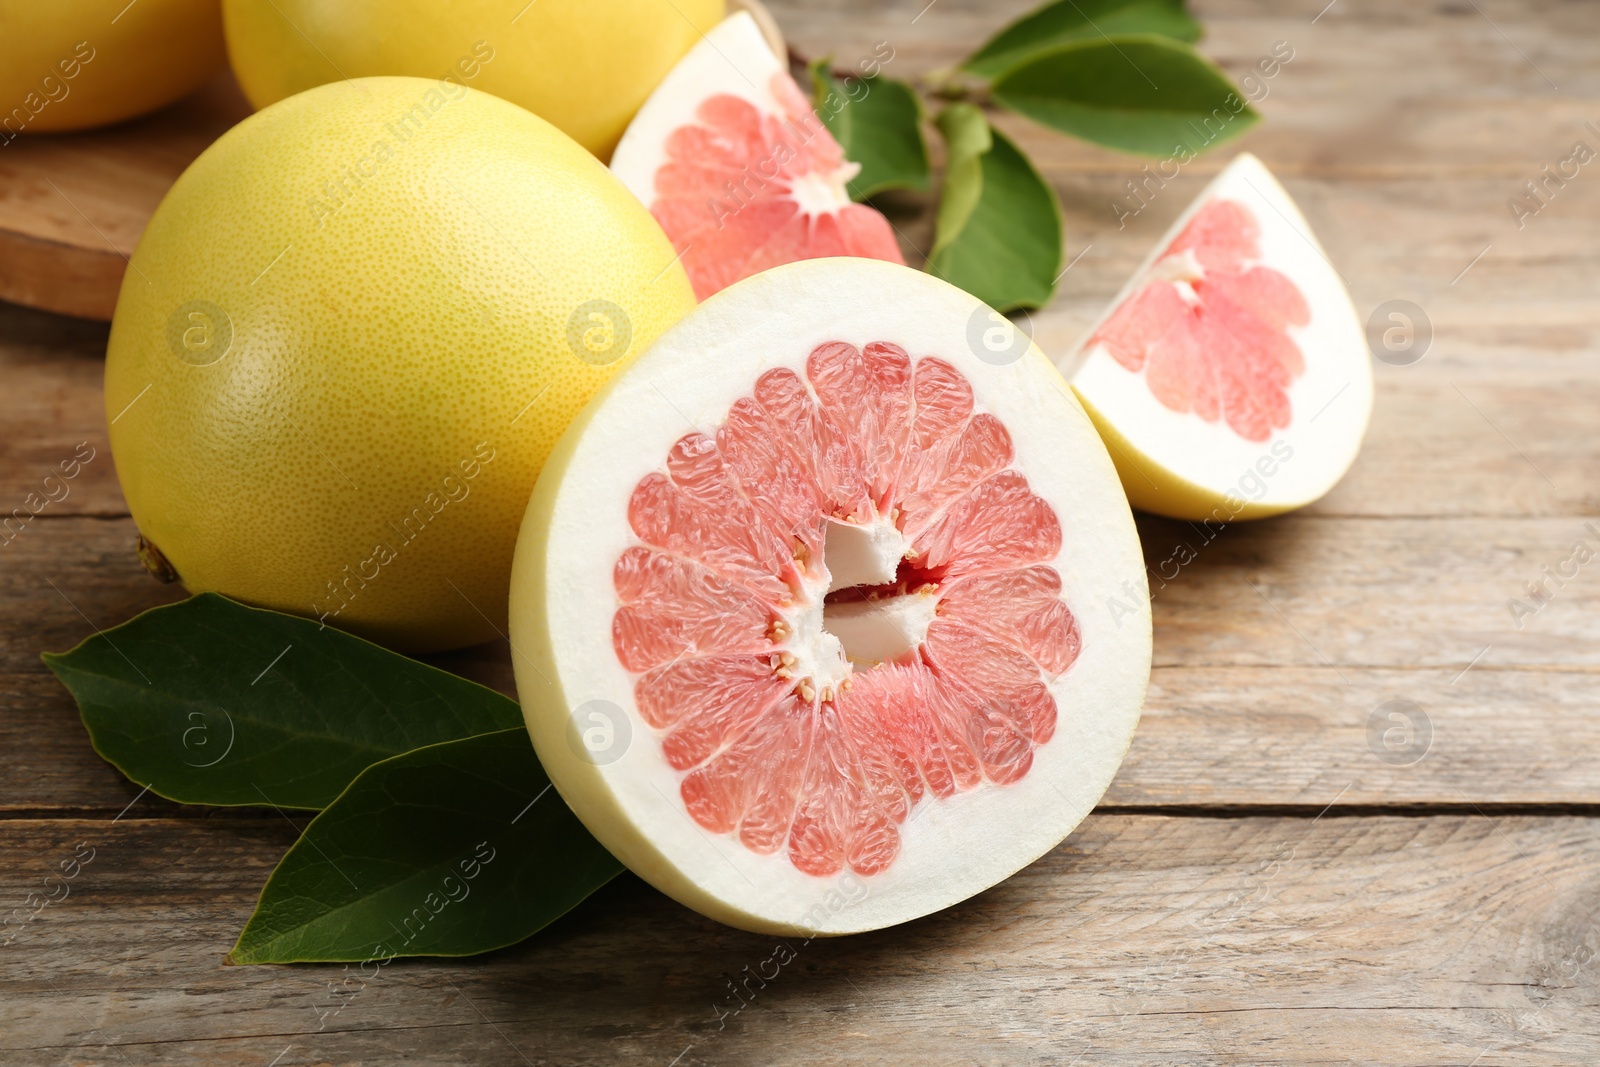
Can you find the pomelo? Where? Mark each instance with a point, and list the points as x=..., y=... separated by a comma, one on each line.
x=828, y=612
x=584, y=65
x=350, y=336
x=72, y=64
x=738, y=169
x=1231, y=376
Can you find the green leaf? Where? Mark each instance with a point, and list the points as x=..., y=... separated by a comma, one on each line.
x=1072, y=20
x=208, y=701
x=450, y=850
x=1145, y=94
x=878, y=123
x=998, y=232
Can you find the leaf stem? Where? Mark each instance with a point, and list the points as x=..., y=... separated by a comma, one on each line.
x=953, y=84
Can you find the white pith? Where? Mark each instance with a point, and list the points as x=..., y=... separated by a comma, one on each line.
x=1184, y=267
x=873, y=631
x=867, y=551
x=1189, y=468
x=822, y=194
x=806, y=652
x=563, y=600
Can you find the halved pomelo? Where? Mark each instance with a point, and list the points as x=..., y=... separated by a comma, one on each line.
x=1230, y=377
x=824, y=617
x=738, y=169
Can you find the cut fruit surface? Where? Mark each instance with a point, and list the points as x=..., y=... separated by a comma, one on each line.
x=870, y=608
x=1230, y=376
x=739, y=171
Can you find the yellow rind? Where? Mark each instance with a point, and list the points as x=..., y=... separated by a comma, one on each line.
x=1154, y=488
x=583, y=65
x=142, y=59
x=407, y=346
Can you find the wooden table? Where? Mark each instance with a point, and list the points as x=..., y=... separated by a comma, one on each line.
x=1266, y=881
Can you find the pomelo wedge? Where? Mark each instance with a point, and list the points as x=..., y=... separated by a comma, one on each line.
x=1230, y=377
x=738, y=169
x=823, y=620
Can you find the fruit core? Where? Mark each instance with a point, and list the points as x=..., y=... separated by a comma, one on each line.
x=1209, y=327
x=842, y=602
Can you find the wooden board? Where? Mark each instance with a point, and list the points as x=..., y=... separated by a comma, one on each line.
x=1142, y=940
x=1243, y=710
x=72, y=206
x=1267, y=882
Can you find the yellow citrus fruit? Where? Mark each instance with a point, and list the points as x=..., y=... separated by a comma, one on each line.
x=72, y=64
x=350, y=337
x=585, y=65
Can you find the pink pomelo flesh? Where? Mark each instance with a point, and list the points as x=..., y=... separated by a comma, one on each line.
x=1210, y=329
x=1230, y=377
x=788, y=738
x=743, y=191
x=822, y=618
x=739, y=171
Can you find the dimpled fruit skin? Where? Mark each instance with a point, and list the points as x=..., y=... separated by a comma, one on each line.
x=153, y=53
x=345, y=347
x=585, y=65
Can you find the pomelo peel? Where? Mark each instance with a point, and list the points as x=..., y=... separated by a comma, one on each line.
x=73, y=65
x=583, y=67
x=336, y=401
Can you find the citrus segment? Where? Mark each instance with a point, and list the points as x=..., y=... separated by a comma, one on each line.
x=752, y=542
x=1210, y=331
x=1022, y=607
x=1230, y=376
x=738, y=169
x=847, y=587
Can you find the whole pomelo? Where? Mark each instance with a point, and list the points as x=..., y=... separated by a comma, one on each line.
x=585, y=65
x=72, y=64
x=350, y=337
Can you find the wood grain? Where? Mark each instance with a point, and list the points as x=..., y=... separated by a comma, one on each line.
x=1243, y=709
x=1141, y=940
x=1423, y=595
x=51, y=415
x=1295, y=738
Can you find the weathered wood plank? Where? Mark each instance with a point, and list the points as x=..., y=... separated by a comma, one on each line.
x=1400, y=86
x=1435, y=594
x=1470, y=446
x=1263, y=736
x=1300, y=591
x=1142, y=940
x=52, y=422
x=1230, y=737
x=1243, y=708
